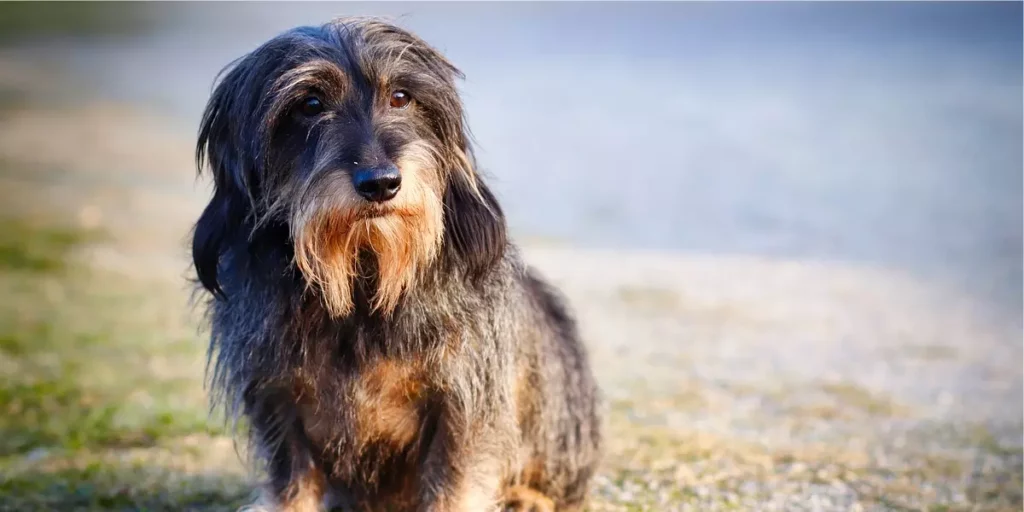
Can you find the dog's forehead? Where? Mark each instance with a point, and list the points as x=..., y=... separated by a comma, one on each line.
x=362, y=48
x=352, y=43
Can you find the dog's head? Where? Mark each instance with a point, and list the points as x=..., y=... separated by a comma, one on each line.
x=352, y=136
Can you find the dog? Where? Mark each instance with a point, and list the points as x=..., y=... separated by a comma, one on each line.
x=373, y=327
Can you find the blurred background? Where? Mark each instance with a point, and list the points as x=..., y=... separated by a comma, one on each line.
x=793, y=232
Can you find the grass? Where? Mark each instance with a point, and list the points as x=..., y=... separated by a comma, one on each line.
x=84, y=369
x=32, y=248
x=87, y=396
x=142, y=479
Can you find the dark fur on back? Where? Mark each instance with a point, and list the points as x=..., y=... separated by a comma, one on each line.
x=474, y=382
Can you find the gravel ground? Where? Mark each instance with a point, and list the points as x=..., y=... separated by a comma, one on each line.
x=731, y=382
x=777, y=385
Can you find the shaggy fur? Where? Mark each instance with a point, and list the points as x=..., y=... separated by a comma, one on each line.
x=392, y=355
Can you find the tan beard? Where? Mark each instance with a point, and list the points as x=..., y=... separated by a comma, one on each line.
x=404, y=238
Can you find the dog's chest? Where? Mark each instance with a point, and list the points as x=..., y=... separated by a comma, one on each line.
x=383, y=404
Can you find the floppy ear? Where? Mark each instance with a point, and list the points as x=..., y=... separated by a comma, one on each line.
x=474, y=226
x=211, y=235
x=221, y=146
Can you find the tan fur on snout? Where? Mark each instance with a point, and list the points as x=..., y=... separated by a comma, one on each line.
x=333, y=225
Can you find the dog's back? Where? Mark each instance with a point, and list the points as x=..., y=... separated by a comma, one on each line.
x=559, y=402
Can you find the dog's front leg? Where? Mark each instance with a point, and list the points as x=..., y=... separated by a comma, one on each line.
x=296, y=482
x=460, y=472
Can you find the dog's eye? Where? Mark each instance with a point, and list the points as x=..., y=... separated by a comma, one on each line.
x=400, y=99
x=311, y=106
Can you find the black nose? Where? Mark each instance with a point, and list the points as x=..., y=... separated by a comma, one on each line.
x=377, y=184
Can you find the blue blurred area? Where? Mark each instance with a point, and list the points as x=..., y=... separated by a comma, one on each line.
x=883, y=133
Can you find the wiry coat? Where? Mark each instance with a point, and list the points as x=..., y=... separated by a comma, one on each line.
x=471, y=386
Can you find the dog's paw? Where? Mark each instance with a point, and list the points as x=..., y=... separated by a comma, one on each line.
x=524, y=499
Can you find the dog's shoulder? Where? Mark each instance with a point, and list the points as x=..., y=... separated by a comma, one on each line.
x=550, y=303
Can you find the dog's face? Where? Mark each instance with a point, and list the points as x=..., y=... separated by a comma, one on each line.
x=353, y=136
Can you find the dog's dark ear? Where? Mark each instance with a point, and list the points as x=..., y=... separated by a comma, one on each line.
x=212, y=232
x=222, y=148
x=474, y=226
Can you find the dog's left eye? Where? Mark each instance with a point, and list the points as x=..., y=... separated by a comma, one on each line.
x=312, y=106
x=400, y=99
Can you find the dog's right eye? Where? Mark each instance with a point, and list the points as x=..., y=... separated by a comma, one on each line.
x=311, y=106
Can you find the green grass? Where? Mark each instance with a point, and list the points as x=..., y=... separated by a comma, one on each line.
x=28, y=247
x=91, y=362
x=73, y=400
x=134, y=485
